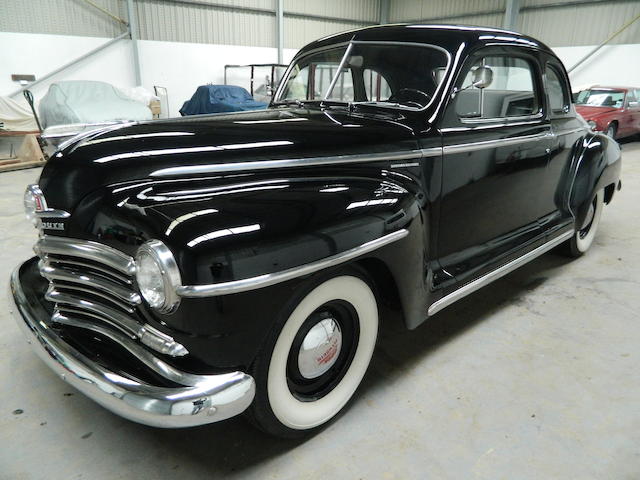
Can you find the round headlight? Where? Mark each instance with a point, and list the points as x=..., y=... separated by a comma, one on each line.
x=592, y=124
x=158, y=276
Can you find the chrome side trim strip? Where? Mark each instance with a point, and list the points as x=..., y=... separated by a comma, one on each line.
x=86, y=249
x=198, y=400
x=268, y=279
x=495, y=274
x=570, y=131
x=502, y=142
x=286, y=163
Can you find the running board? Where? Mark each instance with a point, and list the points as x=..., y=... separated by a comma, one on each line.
x=496, y=274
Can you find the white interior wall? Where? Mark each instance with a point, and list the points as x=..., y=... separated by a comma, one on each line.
x=614, y=65
x=180, y=67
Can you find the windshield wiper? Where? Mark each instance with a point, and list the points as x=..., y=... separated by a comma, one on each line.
x=289, y=103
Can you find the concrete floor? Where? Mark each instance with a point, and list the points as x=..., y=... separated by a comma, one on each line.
x=535, y=376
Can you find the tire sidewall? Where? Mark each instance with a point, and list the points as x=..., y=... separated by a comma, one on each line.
x=269, y=368
x=579, y=246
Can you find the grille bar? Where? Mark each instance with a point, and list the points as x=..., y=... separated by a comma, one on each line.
x=75, y=276
x=91, y=285
x=94, y=251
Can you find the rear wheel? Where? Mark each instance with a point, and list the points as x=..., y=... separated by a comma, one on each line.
x=584, y=236
x=313, y=362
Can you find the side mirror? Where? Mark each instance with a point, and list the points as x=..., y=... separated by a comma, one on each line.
x=482, y=77
x=634, y=104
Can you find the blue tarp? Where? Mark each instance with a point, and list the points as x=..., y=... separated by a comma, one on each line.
x=220, y=98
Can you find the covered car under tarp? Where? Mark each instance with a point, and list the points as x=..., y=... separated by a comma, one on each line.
x=88, y=102
x=218, y=99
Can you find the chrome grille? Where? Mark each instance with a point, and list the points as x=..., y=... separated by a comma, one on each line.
x=93, y=283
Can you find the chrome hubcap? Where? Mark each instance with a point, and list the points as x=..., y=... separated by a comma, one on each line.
x=320, y=348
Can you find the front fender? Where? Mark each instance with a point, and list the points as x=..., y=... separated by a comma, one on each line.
x=225, y=229
x=596, y=165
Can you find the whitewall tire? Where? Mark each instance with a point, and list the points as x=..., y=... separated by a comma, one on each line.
x=585, y=234
x=308, y=372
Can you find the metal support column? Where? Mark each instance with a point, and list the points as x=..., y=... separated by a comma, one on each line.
x=133, y=29
x=383, y=14
x=280, y=28
x=511, y=13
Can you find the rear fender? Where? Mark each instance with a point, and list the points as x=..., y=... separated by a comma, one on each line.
x=596, y=166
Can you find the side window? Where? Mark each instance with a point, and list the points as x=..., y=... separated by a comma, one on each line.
x=511, y=92
x=557, y=91
x=375, y=86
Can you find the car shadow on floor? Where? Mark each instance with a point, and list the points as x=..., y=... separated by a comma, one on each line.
x=234, y=445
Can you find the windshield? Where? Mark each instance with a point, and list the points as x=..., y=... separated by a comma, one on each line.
x=601, y=98
x=382, y=74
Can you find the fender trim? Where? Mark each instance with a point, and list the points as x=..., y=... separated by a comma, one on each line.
x=261, y=281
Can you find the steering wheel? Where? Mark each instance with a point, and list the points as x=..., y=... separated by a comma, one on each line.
x=411, y=97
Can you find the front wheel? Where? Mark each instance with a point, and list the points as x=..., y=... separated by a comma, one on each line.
x=583, y=237
x=310, y=368
x=612, y=130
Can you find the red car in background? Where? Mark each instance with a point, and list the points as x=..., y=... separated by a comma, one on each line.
x=614, y=110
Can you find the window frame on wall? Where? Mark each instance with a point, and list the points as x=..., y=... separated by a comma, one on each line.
x=451, y=116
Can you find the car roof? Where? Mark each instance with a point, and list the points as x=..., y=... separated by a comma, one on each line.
x=448, y=37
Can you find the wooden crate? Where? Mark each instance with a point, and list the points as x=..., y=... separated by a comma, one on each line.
x=29, y=154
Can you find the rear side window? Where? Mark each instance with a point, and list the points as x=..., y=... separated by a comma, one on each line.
x=557, y=91
x=511, y=93
x=375, y=85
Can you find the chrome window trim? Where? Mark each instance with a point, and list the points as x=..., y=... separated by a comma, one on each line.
x=261, y=281
x=505, y=120
x=478, y=283
x=286, y=163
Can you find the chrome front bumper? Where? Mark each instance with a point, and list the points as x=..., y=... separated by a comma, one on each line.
x=203, y=398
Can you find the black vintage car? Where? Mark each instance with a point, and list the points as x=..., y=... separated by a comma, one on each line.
x=191, y=269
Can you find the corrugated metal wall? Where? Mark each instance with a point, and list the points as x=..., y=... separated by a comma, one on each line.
x=226, y=22
x=582, y=24
x=62, y=17
x=556, y=25
x=252, y=22
x=300, y=31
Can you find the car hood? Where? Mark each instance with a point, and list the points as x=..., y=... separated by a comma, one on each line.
x=593, y=112
x=135, y=151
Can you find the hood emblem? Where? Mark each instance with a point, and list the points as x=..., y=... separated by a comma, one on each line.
x=52, y=225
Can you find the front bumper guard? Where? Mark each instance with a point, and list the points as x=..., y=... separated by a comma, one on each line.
x=204, y=399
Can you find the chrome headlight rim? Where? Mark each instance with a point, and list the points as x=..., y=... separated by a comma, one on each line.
x=169, y=271
x=592, y=125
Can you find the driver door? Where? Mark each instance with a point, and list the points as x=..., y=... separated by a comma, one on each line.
x=496, y=148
